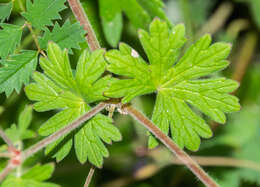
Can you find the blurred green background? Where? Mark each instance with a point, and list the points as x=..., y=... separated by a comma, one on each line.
x=231, y=156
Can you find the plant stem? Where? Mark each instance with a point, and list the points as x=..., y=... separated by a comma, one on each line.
x=183, y=156
x=6, y=139
x=65, y=130
x=81, y=16
x=29, y=26
x=245, y=56
x=218, y=19
x=35, y=39
x=5, y=172
x=222, y=161
x=4, y=155
x=89, y=177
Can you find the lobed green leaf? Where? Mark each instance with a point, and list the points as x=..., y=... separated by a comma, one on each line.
x=60, y=88
x=176, y=81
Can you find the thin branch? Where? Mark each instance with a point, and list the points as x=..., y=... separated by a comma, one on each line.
x=6, y=139
x=218, y=19
x=89, y=177
x=222, y=162
x=29, y=26
x=81, y=16
x=55, y=136
x=5, y=155
x=245, y=56
x=183, y=156
x=35, y=39
x=5, y=172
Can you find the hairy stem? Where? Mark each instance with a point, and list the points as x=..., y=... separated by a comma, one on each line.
x=29, y=26
x=5, y=172
x=89, y=177
x=183, y=156
x=222, y=161
x=35, y=39
x=6, y=139
x=81, y=16
x=65, y=130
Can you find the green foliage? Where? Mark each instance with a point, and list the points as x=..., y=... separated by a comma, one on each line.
x=91, y=10
x=112, y=20
x=255, y=6
x=68, y=36
x=34, y=177
x=242, y=134
x=139, y=12
x=40, y=13
x=16, y=71
x=21, y=132
x=175, y=82
x=59, y=88
x=5, y=11
x=232, y=135
x=10, y=37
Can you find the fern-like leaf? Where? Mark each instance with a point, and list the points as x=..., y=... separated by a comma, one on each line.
x=10, y=38
x=5, y=11
x=40, y=13
x=16, y=71
x=68, y=36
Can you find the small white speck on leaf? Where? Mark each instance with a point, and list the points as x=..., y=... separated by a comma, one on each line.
x=134, y=54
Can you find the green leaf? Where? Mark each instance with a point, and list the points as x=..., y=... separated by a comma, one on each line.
x=154, y=9
x=236, y=134
x=39, y=173
x=112, y=20
x=13, y=133
x=242, y=136
x=135, y=13
x=25, y=118
x=139, y=12
x=16, y=71
x=5, y=11
x=88, y=142
x=40, y=13
x=176, y=81
x=255, y=5
x=230, y=178
x=13, y=181
x=126, y=62
x=58, y=88
x=10, y=38
x=248, y=152
x=20, y=132
x=68, y=36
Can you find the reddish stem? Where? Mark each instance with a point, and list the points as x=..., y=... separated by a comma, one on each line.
x=182, y=155
x=65, y=130
x=81, y=16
